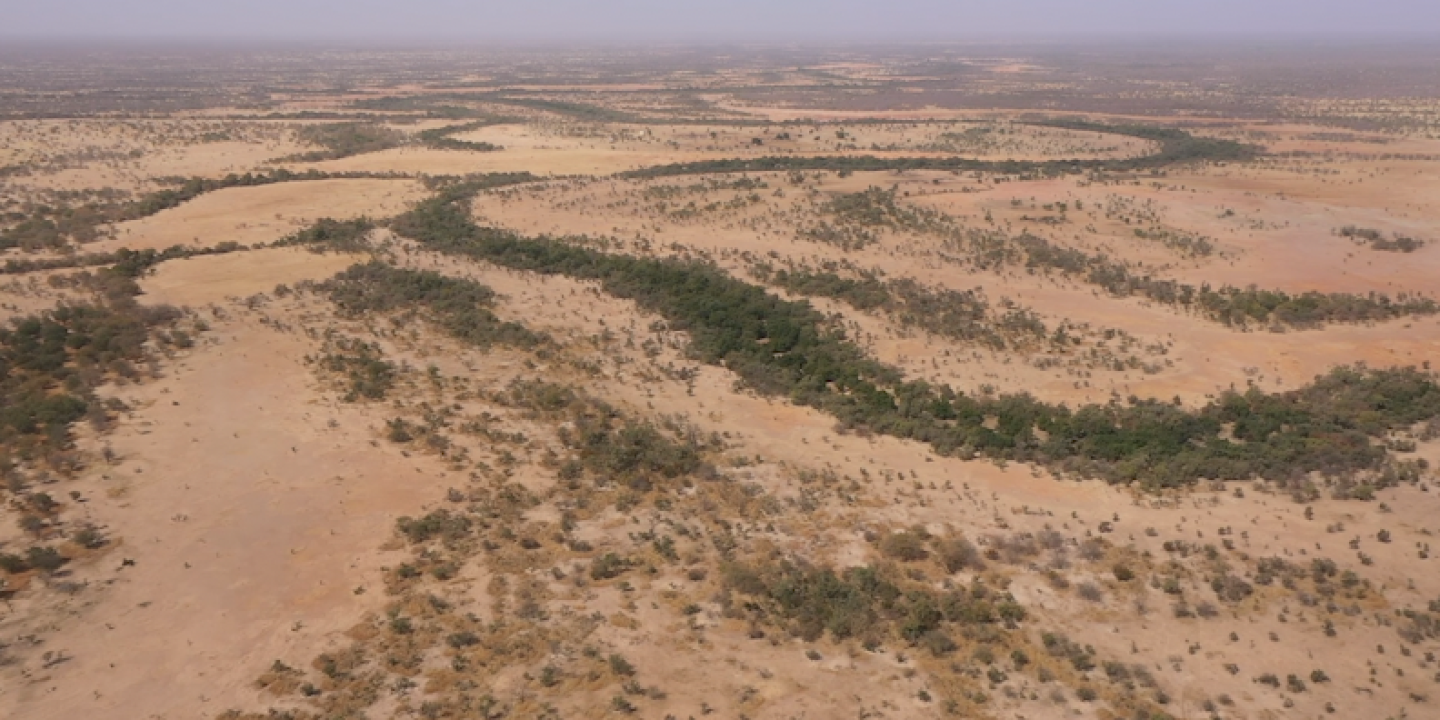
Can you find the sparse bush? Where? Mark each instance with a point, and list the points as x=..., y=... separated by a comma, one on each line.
x=13, y=564
x=608, y=566
x=957, y=553
x=904, y=546
x=620, y=666
x=44, y=558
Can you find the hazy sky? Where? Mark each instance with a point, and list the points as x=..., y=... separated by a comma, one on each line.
x=712, y=19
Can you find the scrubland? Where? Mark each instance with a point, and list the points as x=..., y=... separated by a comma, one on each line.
x=813, y=387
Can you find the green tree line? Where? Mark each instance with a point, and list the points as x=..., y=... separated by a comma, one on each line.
x=789, y=349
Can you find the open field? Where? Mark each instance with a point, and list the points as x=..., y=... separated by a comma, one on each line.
x=996, y=382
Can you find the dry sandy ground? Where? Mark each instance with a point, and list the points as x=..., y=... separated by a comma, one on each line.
x=200, y=281
x=584, y=149
x=1206, y=357
x=255, y=505
x=262, y=214
x=981, y=497
x=129, y=154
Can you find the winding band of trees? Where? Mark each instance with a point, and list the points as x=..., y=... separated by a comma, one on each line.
x=788, y=349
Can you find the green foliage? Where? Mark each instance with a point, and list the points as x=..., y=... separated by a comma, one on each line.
x=45, y=227
x=1186, y=244
x=636, y=455
x=581, y=111
x=459, y=307
x=1177, y=147
x=452, y=188
x=1231, y=306
x=608, y=566
x=369, y=374
x=89, y=537
x=332, y=235
x=963, y=315
x=346, y=139
x=441, y=524
x=872, y=206
x=1082, y=658
x=13, y=564
x=50, y=362
x=866, y=602
x=620, y=666
x=439, y=138
x=1375, y=240
x=125, y=262
x=609, y=448
x=789, y=349
x=44, y=558
x=904, y=546
x=862, y=163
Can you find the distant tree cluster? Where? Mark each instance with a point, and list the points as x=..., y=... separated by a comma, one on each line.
x=341, y=140
x=328, y=234
x=1235, y=307
x=1177, y=147
x=440, y=138
x=1376, y=240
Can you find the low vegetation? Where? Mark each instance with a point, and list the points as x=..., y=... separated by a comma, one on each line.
x=50, y=364
x=966, y=316
x=459, y=307
x=788, y=349
x=328, y=234
x=341, y=140
x=1177, y=147
x=440, y=138
x=49, y=227
x=1376, y=240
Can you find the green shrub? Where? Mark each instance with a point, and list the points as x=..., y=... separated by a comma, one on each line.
x=13, y=564
x=620, y=666
x=608, y=566
x=904, y=546
x=45, y=559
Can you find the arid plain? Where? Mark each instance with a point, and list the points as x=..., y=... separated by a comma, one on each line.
x=949, y=382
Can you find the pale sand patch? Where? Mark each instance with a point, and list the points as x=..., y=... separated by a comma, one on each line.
x=129, y=154
x=209, y=279
x=253, y=506
x=261, y=214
